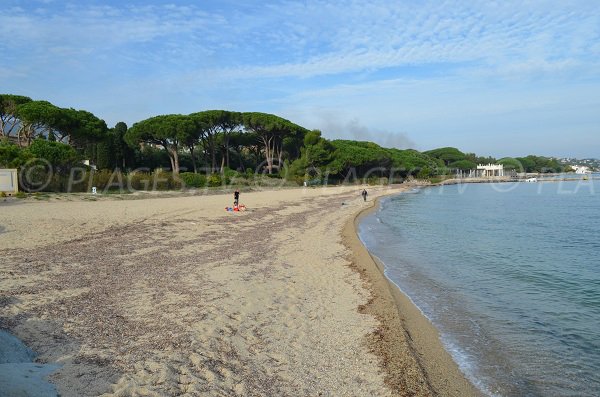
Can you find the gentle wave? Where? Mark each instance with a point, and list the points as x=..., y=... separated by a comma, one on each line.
x=511, y=280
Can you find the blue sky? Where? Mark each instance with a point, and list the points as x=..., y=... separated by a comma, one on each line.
x=496, y=78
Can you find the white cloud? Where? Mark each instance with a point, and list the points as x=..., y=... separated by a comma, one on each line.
x=355, y=37
x=393, y=66
x=313, y=38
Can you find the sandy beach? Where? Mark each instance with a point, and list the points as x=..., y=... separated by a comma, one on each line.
x=175, y=296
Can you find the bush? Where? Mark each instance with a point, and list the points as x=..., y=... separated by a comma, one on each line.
x=140, y=180
x=264, y=181
x=56, y=153
x=299, y=180
x=376, y=181
x=214, y=180
x=424, y=173
x=12, y=156
x=191, y=179
x=285, y=171
x=102, y=179
x=36, y=176
x=229, y=173
x=78, y=180
x=161, y=180
x=436, y=179
x=175, y=182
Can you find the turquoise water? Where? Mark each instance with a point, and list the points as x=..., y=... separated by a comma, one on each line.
x=509, y=274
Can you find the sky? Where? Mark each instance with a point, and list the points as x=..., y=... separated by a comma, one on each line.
x=499, y=78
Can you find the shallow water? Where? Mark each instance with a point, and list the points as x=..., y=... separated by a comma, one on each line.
x=509, y=274
x=19, y=375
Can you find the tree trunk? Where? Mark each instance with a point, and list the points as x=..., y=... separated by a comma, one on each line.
x=193, y=159
x=5, y=122
x=206, y=154
x=241, y=162
x=267, y=142
x=274, y=153
x=175, y=162
x=13, y=122
x=213, y=154
x=173, y=156
x=280, y=154
x=227, y=150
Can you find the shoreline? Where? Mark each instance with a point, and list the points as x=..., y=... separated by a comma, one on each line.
x=404, y=330
x=218, y=318
x=140, y=297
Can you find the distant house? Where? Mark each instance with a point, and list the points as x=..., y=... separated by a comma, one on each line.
x=581, y=169
x=488, y=170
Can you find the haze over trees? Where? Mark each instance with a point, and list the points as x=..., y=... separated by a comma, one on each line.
x=217, y=142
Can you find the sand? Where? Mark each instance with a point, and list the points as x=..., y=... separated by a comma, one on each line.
x=176, y=296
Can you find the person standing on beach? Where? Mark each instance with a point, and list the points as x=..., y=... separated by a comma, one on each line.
x=236, y=198
x=364, y=194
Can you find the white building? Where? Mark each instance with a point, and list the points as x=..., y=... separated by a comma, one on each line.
x=490, y=170
x=9, y=184
x=581, y=169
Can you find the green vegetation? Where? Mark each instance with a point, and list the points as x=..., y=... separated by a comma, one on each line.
x=539, y=164
x=193, y=180
x=533, y=164
x=170, y=132
x=446, y=155
x=211, y=148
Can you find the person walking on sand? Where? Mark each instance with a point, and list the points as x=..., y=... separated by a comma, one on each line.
x=364, y=194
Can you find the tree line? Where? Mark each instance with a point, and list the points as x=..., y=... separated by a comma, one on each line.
x=453, y=159
x=213, y=141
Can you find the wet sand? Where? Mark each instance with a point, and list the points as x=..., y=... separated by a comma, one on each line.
x=175, y=296
x=413, y=355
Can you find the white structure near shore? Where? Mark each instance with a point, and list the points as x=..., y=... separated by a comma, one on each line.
x=487, y=171
x=581, y=169
x=490, y=169
x=9, y=183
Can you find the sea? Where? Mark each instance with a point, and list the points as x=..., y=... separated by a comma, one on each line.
x=509, y=274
